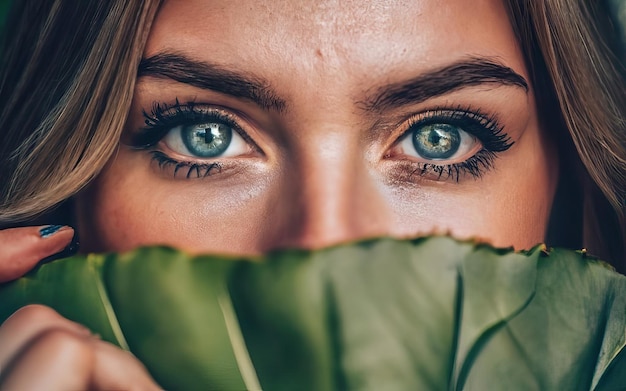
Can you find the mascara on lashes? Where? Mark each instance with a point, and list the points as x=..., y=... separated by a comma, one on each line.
x=484, y=128
x=164, y=118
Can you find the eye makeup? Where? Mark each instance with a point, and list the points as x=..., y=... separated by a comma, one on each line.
x=164, y=118
x=484, y=129
x=439, y=127
x=189, y=169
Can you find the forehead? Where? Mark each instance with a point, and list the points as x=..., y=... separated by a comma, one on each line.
x=331, y=39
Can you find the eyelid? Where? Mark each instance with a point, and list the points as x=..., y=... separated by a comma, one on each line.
x=164, y=117
x=465, y=149
x=486, y=129
x=481, y=126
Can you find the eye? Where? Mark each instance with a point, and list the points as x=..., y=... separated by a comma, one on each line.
x=438, y=142
x=193, y=131
x=189, y=139
x=211, y=139
x=444, y=144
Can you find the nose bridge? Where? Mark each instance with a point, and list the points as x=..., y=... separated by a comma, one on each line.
x=335, y=198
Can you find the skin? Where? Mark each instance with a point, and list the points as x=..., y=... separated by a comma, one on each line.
x=326, y=170
x=38, y=346
x=25, y=247
x=324, y=175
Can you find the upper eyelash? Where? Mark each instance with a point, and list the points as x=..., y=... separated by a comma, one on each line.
x=164, y=117
x=486, y=129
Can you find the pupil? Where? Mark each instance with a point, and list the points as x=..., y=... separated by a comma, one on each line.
x=437, y=141
x=433, y=137
x=207, y=140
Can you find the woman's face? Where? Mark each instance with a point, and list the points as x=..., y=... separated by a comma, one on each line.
x=265, y=124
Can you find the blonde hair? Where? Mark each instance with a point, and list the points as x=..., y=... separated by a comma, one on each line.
x=68, y=74
x=67, y=81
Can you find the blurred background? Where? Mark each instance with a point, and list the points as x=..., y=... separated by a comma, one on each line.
x=4, y=6
x=618, y=9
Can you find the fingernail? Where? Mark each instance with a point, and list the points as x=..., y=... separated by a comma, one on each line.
x=68, y=251
x=50, y=230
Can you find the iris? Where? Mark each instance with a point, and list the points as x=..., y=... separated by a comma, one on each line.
x=436, y=141
x=207, y=140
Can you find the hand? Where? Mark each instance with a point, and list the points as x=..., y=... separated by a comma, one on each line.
x=41, y=350
x=22, y=248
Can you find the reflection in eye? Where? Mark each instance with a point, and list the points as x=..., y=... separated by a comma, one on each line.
x=208, y=140
x=199, y=135
x=449, y=143
x=438, y=142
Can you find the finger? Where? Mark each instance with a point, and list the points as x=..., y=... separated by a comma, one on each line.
x=115, y=369
x=26, y=324
x=22, y=248
x=56, y=360
x=24, y=331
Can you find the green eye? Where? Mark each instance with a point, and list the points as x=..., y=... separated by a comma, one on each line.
x=436, y=141
x=207, y=140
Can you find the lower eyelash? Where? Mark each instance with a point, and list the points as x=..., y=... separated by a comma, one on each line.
x=483, y=127
x=474, y=166
x=197, y=170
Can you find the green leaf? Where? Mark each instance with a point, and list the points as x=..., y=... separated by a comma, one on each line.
x=427, y=314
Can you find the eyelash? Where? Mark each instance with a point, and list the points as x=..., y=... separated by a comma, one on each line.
x=165, y=161
x=484, y=128
x=164, y=117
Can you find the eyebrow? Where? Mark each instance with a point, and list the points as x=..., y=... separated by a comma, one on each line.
x=469, y=72
x=211, y=77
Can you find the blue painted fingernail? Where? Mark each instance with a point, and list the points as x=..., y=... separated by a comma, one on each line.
x=68, y=251
x=49, y=230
